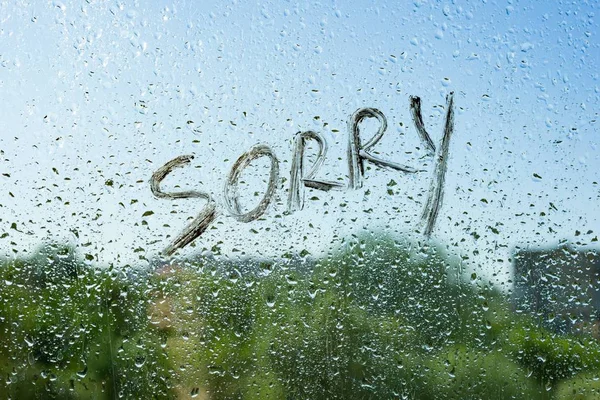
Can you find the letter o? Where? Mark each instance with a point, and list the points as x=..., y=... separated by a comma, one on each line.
x=231, y=186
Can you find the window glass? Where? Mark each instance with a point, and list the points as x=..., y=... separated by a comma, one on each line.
x=299, y=200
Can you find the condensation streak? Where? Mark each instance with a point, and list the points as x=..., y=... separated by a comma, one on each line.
x=297, y=178
x=231, y=186
x=202, y=221
x=415, y=111
x=436, y=190
x=358, y=152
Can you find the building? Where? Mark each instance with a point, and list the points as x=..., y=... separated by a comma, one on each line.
x=560, y=287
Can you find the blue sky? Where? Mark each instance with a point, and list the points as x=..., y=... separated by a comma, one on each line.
x=101, y=91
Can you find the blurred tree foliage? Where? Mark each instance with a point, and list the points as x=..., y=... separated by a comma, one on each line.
x=375, y=319
x=69, y=330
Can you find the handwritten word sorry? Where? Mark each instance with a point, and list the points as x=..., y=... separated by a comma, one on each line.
x=359, y=153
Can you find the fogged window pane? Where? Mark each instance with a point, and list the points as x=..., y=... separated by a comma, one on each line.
x=299, y=200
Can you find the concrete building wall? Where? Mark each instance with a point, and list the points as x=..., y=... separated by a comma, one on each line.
x=559, y=286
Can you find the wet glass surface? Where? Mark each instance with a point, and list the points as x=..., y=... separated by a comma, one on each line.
x=288, y=200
